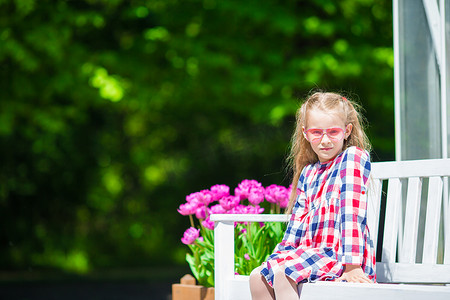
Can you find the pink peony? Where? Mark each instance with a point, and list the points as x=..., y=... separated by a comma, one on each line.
x=243, y=188
x=187, y=209
x=205, y=197
x=193, y=200
x=219, y=191
x=239, y=209
x=256, y=195
x=229, y=202
x=201, y=198
x=277, y=194
x=200, y=213
x=217, y=209
x=246, y=256
x=207, y=223
x=284, y=203
x=190, y=235
x=250, y=209
x=254, y=209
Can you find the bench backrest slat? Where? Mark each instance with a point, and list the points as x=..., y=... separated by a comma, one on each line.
x=373, y=207
x=392, y=220
x=409, y=249
x=431, y=237
x=446, y=224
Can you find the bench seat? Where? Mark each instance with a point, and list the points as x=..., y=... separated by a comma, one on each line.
x=323, y=290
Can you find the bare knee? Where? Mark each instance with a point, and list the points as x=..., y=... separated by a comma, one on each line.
x=284, y=286
x=259, y=287
x=256, y=277
x=279, y=276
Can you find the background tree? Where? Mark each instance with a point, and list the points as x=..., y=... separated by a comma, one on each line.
x=112, y=111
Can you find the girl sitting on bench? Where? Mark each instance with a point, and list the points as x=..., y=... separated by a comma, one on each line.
x=327, y=237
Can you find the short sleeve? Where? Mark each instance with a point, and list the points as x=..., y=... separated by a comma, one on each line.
x=354, y=173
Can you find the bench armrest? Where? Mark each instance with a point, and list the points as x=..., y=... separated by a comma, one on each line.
x=224, y=245
x=249, y=217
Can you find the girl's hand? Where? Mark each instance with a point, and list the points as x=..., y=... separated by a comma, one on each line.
x=354, y=273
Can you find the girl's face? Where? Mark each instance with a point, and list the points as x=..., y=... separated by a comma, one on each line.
x=326, y=132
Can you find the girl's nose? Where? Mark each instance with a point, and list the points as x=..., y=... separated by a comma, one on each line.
x=325, y=139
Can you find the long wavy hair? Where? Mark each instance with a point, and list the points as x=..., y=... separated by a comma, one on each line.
x=302, y=154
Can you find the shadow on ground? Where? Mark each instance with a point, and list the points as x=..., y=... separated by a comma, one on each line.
x=148, y=284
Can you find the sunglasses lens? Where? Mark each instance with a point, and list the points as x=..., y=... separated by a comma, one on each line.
x=335, y=133
x=315, y=133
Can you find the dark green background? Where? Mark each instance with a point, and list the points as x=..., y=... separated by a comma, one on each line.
x=112, y=111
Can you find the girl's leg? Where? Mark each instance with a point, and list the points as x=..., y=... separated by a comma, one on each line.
x=259, y=287
x=285, y=288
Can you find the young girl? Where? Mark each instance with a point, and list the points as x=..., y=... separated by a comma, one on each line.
x=327, y=237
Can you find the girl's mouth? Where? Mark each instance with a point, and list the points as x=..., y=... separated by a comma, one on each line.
x=326, y=149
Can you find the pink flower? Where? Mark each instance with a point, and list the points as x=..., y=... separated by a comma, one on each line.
x=200, y=213
x=239, y=209
x=187, y=209
x=249, y=209
x=277, y=194
x=192, y=199
x=243, y=188
x=229, y=202
x=246, y=256
x=205, y=197
x=256, y=195
x=219, y=190
x=254, y=209
x=284, y=203
x=190, y=235
x=207, y=223
x=217, y=209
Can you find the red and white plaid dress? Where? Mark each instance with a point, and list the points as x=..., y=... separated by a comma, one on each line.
x=328, y=226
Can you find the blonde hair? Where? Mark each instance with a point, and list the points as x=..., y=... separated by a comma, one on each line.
x=302, y=154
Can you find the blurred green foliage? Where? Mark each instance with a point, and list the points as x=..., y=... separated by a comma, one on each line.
x=111, y=111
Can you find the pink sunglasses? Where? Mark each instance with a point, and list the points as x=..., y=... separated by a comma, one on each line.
x=315, y=135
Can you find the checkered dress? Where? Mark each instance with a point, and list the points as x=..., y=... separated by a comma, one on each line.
x=328, y=225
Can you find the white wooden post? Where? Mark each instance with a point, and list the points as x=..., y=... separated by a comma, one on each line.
x=397, y=82
x=444, y=120
x=223, y=257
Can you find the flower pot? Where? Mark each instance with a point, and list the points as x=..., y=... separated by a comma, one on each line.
x=187, y=289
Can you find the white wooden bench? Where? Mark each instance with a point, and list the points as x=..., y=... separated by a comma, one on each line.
x=415, y=257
